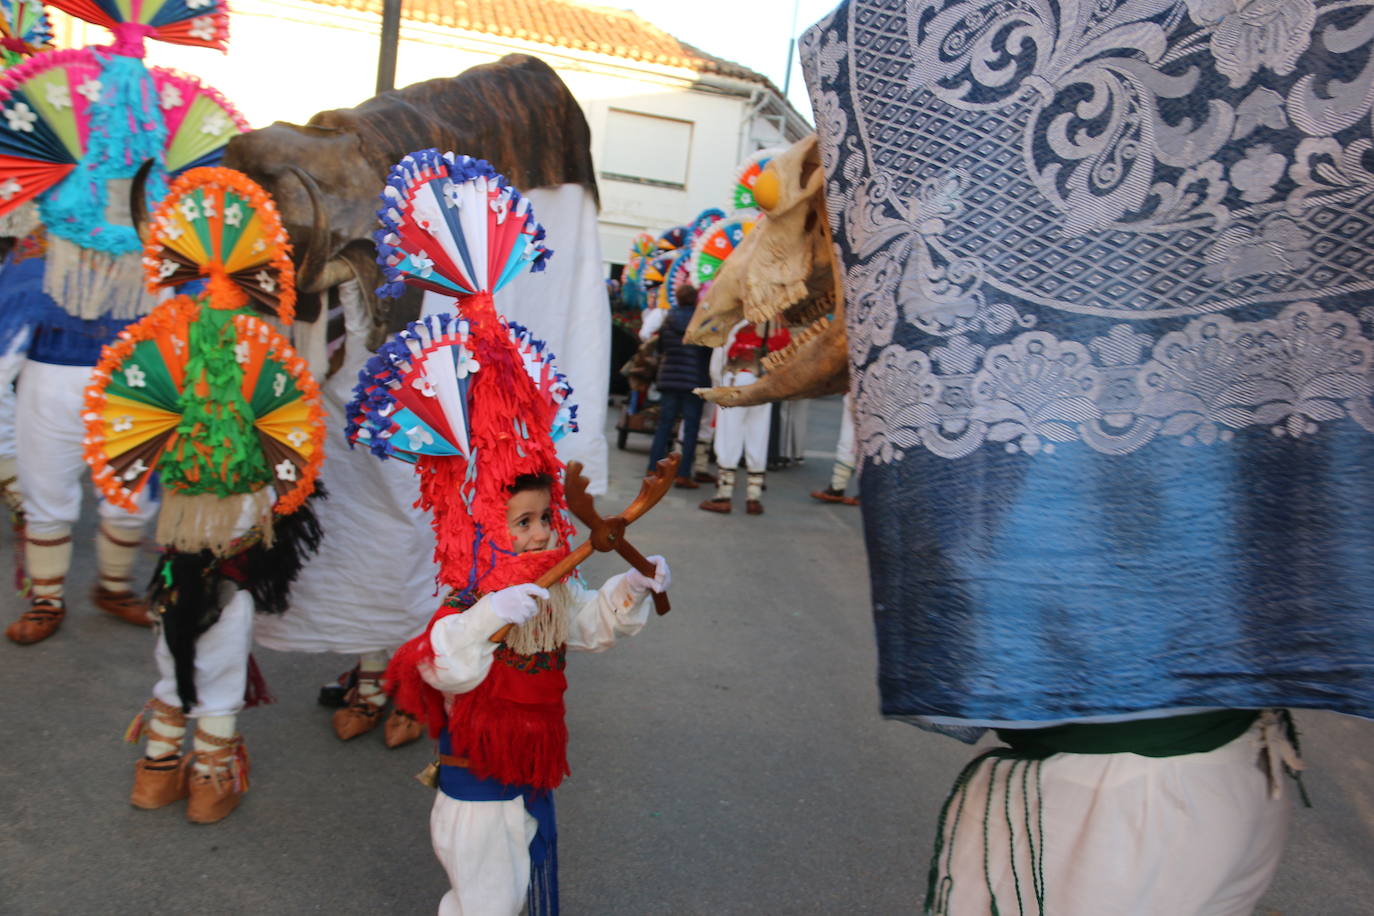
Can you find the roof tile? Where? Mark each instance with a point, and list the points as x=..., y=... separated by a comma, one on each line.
x=564, y=24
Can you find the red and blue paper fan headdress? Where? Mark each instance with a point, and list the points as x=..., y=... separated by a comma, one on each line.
x=472, y=400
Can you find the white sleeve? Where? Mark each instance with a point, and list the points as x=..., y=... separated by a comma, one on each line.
x=463, y=649
x=596, y=618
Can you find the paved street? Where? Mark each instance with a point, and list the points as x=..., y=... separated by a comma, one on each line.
x=729, y=760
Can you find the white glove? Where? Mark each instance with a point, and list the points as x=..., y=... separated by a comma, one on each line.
x=640, y=583
x=517, y=603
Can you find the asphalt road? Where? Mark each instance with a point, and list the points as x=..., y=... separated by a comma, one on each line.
x=729, y=760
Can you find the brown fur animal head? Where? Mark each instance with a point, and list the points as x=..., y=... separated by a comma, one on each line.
x=783, y=271
x=325, y=176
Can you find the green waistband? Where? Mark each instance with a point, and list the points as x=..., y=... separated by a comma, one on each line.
x=1172, y=736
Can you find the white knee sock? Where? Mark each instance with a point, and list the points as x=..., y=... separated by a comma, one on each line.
x=47, y=556
x=839, y=476
x=218, y=726
x=754, y=488
x=160, y=728
x=725, y=484
x=116, y=548
x=370, y=689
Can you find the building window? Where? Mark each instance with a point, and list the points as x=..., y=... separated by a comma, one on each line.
x=646, y=149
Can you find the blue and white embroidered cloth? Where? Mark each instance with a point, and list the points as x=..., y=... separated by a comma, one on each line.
x=1108, y=275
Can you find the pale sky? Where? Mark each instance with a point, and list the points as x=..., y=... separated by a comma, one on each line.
x=749, y=32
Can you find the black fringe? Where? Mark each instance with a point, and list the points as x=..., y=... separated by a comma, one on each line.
x=269, y=573
x=188, y=590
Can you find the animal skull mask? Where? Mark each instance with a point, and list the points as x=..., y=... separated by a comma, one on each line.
x=783, y=270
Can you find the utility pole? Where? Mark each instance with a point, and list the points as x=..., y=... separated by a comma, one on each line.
x=391, y=36
x=791, y=46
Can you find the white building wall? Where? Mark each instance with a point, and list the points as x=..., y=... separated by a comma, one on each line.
x=290, y=59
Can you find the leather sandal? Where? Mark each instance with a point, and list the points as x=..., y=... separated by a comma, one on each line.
x=39, y=622
x=159, y=781
x=753, y=507
x=125, y=605
x=215, y=792
x=360, y=715
x=716, y=504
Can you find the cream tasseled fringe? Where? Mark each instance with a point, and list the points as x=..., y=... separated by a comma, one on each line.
x=210, y=522
x=546, y=630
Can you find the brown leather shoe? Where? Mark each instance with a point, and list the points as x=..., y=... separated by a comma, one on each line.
x=125, y=605
x=160, y=781
x=401, y=728
x=834, y=496
x=214, y=794
x=704, y=477
x=753, y=507
x=686, y=483
x=357, y=718
x=716, y=504
x=39, y=622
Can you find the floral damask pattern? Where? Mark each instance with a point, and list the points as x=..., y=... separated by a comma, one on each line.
x=1198, y=385
x=1186, y=169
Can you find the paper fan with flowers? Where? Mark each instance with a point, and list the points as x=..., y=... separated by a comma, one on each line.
x=24, y=30
x=704, y=221
x=715, y=246
x=742, y=191
x=452, y=225
x=156, y=404
x=674, y=238
x=641, y=250
x=202, y=23
x=655, y=274
x=218, y=223
x=50, y=105
x=413, y=397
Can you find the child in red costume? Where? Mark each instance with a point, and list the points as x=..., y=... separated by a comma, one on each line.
x=503, y=746
x=477, y=404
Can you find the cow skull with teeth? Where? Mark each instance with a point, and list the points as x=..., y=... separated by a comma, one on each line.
x=783, y=271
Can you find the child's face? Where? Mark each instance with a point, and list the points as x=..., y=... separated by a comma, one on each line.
x=530, y=521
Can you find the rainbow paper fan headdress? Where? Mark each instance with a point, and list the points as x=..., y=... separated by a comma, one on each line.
x=742, y=190
x=201, y=391
x=715, y=245
x=472, y=400
x=24, y=30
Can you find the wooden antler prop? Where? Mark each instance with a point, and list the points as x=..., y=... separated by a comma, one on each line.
x=606, y=534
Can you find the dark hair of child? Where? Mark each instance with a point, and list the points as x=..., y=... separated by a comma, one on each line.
x=686, y=296
x=530, y=482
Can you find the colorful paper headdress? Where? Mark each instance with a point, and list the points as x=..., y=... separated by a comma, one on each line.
x=631, y=277
x=717, y=244
x=58, y=113
x=674, y=238
x=473, y=401
x=704, y=221
x=218, y=224
x=201, y=23
x=742, y=191
x=207, y=395
x=24, y=30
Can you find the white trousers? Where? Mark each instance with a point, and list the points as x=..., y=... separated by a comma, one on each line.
x=221, y=662
x=49, y=433
x=844, y=449
x=742, y=431
x=485, y=848
x=1120, y=834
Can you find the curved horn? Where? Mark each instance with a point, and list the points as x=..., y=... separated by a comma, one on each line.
x=314, y=257
x=138, y=200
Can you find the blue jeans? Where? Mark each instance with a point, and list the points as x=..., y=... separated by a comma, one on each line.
x=674, y=404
